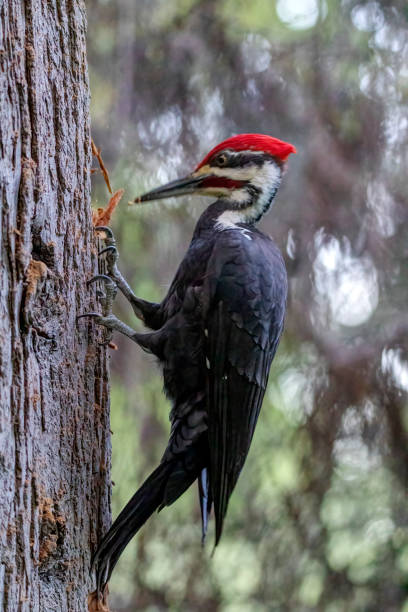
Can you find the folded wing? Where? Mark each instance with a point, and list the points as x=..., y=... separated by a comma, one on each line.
x=243, y=318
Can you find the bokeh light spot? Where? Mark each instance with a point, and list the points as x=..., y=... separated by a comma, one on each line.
x=299, y=14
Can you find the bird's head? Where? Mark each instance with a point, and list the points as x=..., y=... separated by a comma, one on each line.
x=244, y=171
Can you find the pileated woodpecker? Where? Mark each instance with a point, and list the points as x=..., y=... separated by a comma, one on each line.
x=215, y=334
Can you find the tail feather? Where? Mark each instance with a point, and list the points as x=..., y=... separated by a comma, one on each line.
x=168, y=481
x=136, y=512
x=179, y=481
x=205, y=501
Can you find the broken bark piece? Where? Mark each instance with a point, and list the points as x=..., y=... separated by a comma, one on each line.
x=95, y=604
x=102, y=216
x=97, y=153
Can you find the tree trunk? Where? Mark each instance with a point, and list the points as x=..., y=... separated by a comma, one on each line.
x=54, y=423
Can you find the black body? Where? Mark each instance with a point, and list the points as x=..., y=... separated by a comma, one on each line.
x=215, y=335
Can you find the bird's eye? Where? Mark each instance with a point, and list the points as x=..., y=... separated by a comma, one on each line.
x=222, y=160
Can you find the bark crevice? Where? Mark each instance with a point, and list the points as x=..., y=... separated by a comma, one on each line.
x=54, y=417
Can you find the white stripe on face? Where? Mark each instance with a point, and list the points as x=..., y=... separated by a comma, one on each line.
x=260, y=176
x=266, y=181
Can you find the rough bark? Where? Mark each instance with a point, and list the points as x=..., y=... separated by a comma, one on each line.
x=54, y=429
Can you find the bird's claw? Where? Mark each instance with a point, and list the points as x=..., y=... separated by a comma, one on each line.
x=110, y=251
x=110, y=322
x=106, y=299
x=110, y=288
x=100, y=277
x=111, y=258
x=106, y=229
x=88, y=314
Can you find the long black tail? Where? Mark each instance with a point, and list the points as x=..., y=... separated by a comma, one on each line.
x=161, y=488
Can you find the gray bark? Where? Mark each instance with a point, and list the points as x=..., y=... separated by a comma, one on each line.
x=54, y=421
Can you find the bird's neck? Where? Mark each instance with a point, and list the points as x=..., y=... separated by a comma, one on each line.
x=229, y=213
x=249, y=203
x=248, y=211
x=225, y=214
x=245, y=205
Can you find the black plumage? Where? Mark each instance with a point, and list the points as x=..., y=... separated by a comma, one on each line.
x=215, y=335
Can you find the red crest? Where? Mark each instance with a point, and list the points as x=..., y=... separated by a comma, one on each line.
x=252, y=142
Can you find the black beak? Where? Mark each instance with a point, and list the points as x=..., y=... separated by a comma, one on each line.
x=189, y=184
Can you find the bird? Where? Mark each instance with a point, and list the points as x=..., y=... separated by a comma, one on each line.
x=214, y=334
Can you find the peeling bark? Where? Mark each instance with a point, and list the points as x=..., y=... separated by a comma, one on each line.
x=54, y=423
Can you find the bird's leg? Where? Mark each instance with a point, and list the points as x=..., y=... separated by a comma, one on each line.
x=143, y=310
x=106, y=299
x=148, y=342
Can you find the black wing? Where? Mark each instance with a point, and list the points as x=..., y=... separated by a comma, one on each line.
x=243, y=317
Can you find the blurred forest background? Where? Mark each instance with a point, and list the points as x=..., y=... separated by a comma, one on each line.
x=319, y=519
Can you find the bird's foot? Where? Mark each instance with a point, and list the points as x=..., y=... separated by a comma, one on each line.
x=106, y=299
x=110, y=251
x=111, y=258
x=107, y=319
x=112, y=281
x=111, y=323
x=108, y=295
